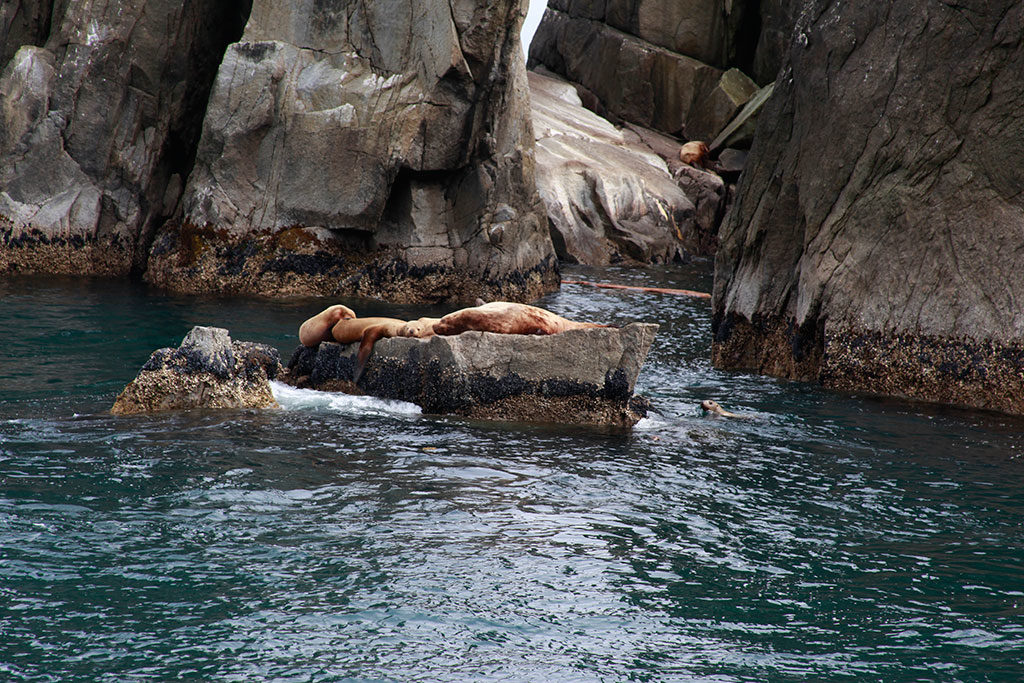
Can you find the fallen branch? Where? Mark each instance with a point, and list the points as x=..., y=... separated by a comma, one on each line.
x=658, y=290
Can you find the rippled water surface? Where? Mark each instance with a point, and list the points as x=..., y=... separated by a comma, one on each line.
x=830, y=538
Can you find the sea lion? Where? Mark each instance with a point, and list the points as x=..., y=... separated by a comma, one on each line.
x=507, y=318
x=694, y=153
x=318, y=328
x=712, y=407
x=368, y=330
x=419, y=328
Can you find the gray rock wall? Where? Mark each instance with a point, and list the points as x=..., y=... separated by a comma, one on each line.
x=658, y=63
x=99, y=111
x=380, y=149
x=875, y=241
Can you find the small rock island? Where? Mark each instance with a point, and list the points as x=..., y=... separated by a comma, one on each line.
x=584, y=376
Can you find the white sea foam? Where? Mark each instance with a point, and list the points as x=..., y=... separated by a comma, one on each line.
x=291, y=398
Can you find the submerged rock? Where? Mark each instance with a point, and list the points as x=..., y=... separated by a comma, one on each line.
x=208, y=370
x=576, y=377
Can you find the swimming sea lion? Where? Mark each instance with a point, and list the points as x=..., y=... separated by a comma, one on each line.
x=507, y=318
x=318, y=328
x=694, y=153
x=712, y=407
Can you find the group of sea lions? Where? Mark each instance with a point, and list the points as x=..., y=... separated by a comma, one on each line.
x=340, y=324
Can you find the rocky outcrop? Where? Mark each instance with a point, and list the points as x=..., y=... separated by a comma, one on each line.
x=576, y=377
x=631, y=78
x=610, y=198
x=377, y=149
x=207, y=370
x=100, y=111
x=874, y=243
x=23, y=22
x=676, y=66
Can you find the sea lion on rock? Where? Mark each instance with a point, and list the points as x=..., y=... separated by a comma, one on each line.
x=712, y=407
x=368, y=330
x=419, y=328
x=506, y=317
x=318, y=328
x=694, y=153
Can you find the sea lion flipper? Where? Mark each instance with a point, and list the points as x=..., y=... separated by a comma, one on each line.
x=369, y=338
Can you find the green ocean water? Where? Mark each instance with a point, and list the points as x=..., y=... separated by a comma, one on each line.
x=831, y=538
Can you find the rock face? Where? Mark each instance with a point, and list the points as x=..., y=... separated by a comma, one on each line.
x=99, y=113
x=609, y=197
x=576, y=377
x=633, y=79
x=208, y=370
x=671, y=65
x=378, y=149
x=777, y=19
x=874, y=244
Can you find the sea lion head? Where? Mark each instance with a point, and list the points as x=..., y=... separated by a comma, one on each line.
x=694, y=153
x=711, y=406
x=423, y=327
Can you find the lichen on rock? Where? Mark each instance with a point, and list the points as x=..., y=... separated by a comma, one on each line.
x=208, y=370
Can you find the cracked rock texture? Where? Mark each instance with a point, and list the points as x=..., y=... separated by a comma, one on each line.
x=660, y=63
x=609, y=197
x=100, y=108
x=875, y=243
x=576, y=377
x=207, y=370
x=379, y=149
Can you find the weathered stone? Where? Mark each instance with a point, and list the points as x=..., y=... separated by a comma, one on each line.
x=717, y=109
x=731, y=162
x=710, y=196
x=608, y=199
x=207, y=370
x=580, y=376
x=396, y=133
x=874, y=242
x=96, y=124
x=703, y=29
x=740, y=131
x=635, y=80
x=23, y=22
x=777, y=19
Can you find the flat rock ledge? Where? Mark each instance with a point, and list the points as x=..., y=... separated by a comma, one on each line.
x=581, y=377
x=208, y=370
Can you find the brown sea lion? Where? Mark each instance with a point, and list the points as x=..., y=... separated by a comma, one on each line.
x=507, y=318
x=368, y=330
x=694, y=153
x=712, y=407
x=318, y=328
x=419, y=328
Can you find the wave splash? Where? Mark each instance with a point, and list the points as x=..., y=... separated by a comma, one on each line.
x=292, y=398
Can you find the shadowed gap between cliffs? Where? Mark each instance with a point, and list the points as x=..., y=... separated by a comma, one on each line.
x=226, y=25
